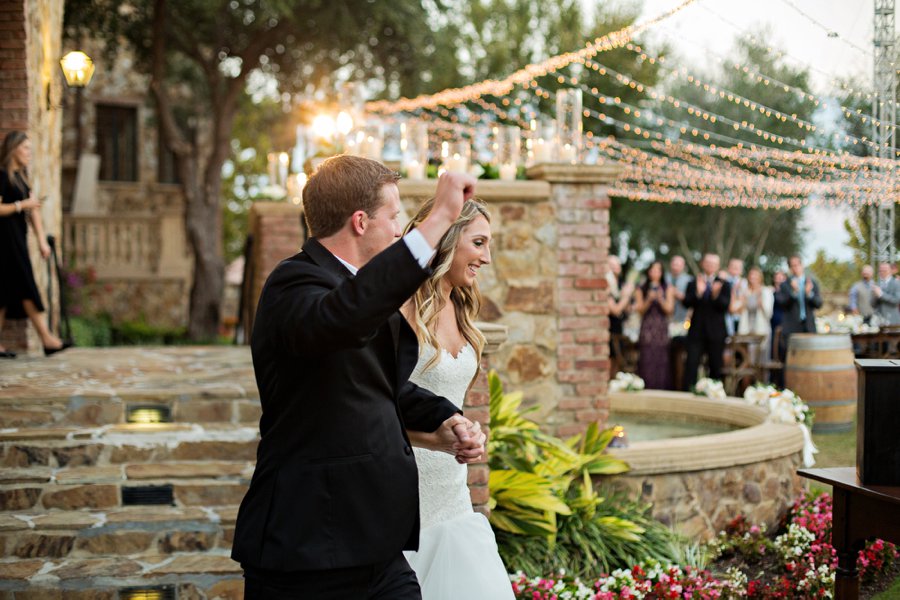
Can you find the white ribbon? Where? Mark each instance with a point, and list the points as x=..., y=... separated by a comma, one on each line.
x=808, y=447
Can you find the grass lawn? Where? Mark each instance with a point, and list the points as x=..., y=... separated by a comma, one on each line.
x=835, y=450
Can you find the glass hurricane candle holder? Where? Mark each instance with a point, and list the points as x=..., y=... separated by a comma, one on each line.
x=568, y=125
x=455, y=155
x=372, y=141
x=542, y=143
x=414, y=146
x=507, y=146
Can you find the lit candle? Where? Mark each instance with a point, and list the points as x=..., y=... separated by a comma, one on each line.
x=415, y=170
x=567, y=153
x=456, y=163
x=543, y=151
x=508, y=171
x=284, y=161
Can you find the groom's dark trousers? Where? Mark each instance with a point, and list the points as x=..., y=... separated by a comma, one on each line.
x=334, y=498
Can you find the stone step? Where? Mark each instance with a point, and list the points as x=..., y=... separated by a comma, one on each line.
x=131, y=532
x=98, y=554
x=98, y=386
x=131, y=472
x=211, y=575
x=60, y=448
x=58, y=495
x=90, y=410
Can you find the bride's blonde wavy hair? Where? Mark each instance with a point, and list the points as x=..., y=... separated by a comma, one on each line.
x=428, y=302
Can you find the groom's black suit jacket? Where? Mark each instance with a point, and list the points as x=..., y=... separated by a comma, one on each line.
x=335, y=483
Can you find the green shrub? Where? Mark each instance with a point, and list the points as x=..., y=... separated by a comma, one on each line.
x=91, y=331
x=141, y=333
x=545, y=508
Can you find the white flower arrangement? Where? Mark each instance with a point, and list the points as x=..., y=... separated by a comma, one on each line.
x=711, y=388
x=626, y=382
x=784, y=406
x=842, y=323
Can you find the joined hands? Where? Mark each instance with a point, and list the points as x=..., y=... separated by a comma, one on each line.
x=462, y=438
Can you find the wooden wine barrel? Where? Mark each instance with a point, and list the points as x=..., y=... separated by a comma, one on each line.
x=820, y=369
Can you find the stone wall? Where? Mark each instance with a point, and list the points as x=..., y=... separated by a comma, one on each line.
x=158, y=302
x=698, y=504
x=30, y=50
x=547, y=286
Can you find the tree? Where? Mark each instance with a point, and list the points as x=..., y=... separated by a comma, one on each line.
x=206, y=50
x=763, y=237
x=859, y=227
x=260, y=128
x=834, y=275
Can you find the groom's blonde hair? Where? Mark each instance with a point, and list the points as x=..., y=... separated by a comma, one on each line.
x=428, y=300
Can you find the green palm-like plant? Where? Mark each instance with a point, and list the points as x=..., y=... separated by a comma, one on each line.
x=544, y=504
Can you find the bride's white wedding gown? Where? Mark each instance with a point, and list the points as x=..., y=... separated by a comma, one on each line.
x=457, y=557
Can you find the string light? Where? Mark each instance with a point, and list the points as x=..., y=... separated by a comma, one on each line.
x=737, y=173
x=830, y=32
x=503, y=87
x=766, y=80
x=780, y=54
x=680, y=183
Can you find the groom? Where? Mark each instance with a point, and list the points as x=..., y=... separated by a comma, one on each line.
x=334, y=499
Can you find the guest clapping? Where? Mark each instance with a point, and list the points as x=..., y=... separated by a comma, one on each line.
x=754, y=308
x=654, y=301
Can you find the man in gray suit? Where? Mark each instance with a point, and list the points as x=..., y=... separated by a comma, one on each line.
x=886, y=296
x=861, y=295
x=799, y=298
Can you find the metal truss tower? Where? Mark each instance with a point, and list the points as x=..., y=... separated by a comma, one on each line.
x=884, y=109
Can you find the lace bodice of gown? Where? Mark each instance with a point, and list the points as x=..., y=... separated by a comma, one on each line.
x=443, y=493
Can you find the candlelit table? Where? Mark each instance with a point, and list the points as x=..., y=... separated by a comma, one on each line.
x=860, y=513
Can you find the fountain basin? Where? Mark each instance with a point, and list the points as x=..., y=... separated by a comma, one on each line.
x=697, y=484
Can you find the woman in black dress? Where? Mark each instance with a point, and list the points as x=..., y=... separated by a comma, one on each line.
x=19, y=296
x=655, y=301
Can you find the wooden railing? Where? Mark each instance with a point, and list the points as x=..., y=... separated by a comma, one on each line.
x=127, y=246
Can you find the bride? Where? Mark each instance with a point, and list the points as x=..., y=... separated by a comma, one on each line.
x=457, y=556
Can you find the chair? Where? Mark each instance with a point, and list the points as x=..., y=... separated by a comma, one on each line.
x=623, y=354
x=741, y=369
x=769, y=362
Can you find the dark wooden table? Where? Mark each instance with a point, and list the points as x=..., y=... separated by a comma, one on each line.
x=861, y=513
x=877, y=344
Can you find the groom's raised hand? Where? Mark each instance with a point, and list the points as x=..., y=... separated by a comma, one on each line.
x=453, y=190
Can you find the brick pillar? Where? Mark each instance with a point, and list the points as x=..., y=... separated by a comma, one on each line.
x=478, y=408
x=13, y=54
x=277, y=234
x=582, y=218
x=30, y=41
x=13, y=112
